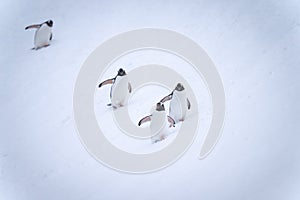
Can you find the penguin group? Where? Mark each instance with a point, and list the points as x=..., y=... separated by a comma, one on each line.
x=159, y=120
x=121, y=89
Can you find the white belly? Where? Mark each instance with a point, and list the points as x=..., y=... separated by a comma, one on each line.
x=119, y=91
x=42, y=36
x=178, y=105
x=159, y=126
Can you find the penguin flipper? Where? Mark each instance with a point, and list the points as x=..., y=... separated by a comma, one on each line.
x=51, y=36
x=145, y=119
x=171, y=121
x=108, y=81
x=167, y=98
x=188, y=103
x=33, y=26
x=129, y=87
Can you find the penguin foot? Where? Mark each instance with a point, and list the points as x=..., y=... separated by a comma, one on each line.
x=155, y=141
x=161, y=138
x=37, y=48
x=115, y=106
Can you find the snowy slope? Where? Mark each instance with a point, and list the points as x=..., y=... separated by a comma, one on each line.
x=255, y=46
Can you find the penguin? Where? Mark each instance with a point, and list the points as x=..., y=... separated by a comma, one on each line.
x=179, y=103
x=120, y=89
x=43, y=34
x=159, y=123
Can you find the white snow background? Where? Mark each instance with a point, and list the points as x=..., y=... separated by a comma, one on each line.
x=255, y=46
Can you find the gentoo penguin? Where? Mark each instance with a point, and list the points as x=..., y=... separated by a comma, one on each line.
x=120, y=89
x=43, y=34
x=159, y=123
x=179, y=103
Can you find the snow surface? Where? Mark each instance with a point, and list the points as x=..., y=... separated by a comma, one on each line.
x=255, y=46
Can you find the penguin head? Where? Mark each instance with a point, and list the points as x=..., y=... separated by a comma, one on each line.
x=179, y=87
x=160, y=106
x=121, y=72
x=49, y=23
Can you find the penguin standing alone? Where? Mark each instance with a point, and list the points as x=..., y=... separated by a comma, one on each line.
x=43, y=34
x=159, y=123
x=120, y=89
x=179, y=103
